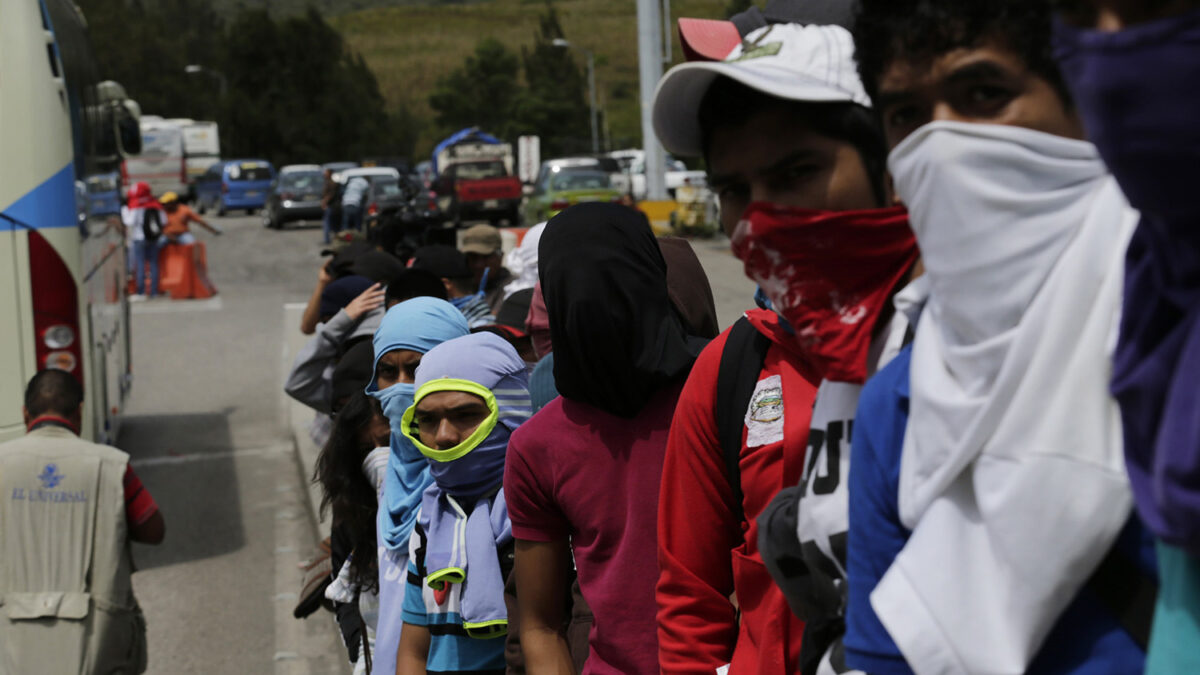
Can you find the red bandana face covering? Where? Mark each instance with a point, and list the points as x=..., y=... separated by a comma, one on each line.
x=829, y=273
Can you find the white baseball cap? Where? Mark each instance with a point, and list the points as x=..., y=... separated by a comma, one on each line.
x=788, y=61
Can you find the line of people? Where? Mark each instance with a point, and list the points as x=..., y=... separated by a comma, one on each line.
x=956, y=436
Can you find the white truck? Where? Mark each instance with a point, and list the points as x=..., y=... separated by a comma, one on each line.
x=163, y=161
x=678, y=175
x=202, y=147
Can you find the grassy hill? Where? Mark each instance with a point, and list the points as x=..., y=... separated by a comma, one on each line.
x=411, y=45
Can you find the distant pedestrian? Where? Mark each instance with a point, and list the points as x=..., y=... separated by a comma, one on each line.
x=328, y=194
x=450, y=265
x=178, y=216
x=352, y=200
x=482, y=247
x=69, y=511
x=144, y=220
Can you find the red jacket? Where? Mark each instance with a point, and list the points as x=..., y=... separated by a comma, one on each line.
x=704, y=555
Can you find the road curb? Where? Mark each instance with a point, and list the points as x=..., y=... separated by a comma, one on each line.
x=298, y=416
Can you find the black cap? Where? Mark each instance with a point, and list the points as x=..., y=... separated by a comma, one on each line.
x=446, y=262
x=353, y=372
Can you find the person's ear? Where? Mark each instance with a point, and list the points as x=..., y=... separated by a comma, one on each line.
x=25, y=414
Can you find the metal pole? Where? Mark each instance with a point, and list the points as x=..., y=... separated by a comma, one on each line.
x=650, y=69
x=592, y=96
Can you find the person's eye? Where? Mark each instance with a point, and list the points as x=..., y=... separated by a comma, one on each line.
x=988, y=95
x=901, y=117
x=733, y=191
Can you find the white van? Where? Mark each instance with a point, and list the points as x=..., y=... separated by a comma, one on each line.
x=163, y=162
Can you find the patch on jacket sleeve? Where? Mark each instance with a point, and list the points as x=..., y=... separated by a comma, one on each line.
x=764, y=417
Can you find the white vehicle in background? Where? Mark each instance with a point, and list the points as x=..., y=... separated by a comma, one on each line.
x=163, y=162
x=62, y=243
x=201, y=146
x=678, y=175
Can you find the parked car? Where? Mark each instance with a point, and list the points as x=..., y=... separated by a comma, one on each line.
x=235, y=184
x=295, y=195
x=561, y=187
x=338, y=167
x=617, y=174
x=343, y=177
x=676, y=177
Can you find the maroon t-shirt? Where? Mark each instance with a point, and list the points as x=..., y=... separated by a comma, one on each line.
x=576, y=471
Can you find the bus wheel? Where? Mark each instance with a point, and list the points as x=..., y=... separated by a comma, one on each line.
x=250, y=212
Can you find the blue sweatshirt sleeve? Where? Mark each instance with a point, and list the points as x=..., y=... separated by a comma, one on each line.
x=876, y=533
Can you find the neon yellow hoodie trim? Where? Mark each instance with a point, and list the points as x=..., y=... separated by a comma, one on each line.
x=409, y=429
x=487, y=630
x=451, y=575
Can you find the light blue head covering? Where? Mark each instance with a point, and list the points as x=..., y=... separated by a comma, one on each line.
x=418, y=325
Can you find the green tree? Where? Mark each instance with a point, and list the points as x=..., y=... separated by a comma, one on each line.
x=482, y=92
x=554, y=106
x=295, y=93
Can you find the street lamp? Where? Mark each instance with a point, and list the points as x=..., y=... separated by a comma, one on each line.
x=194, y=69
x=591, y=64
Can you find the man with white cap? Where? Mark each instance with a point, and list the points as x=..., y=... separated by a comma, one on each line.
x=798, y=162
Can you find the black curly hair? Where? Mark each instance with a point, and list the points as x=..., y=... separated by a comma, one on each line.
x=921, y=30
x=345, y=488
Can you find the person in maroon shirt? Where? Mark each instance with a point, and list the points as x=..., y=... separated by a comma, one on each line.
x=583, y=474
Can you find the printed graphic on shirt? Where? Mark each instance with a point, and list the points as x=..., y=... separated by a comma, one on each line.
x=823, y=516
x=764, y=416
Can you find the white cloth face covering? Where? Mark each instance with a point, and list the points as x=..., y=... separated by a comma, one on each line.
x=1012, y=474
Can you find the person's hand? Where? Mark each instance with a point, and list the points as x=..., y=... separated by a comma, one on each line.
x=324, y=276
x=370, y=300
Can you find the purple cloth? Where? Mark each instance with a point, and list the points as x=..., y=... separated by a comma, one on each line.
x=1136, y=90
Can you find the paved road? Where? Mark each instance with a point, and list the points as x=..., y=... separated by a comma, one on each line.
x=210, y=434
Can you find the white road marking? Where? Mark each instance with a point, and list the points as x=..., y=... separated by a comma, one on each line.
x=212, y=304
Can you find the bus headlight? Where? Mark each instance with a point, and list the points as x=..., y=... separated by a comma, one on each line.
x=59, y=336
x=61, y=361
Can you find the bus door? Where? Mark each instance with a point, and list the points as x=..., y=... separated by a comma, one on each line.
x=11, y=349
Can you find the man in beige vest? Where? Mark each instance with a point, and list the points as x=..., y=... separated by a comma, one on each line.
x=68, y=510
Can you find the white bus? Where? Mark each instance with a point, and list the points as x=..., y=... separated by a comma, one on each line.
x=62, y=244
x=163, y=160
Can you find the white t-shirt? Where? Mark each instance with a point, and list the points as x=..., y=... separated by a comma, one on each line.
x=823, y=516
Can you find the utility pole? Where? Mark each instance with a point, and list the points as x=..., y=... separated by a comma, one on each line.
x=650, y=68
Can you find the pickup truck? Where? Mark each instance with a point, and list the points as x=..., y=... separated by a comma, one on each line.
x=481, y=189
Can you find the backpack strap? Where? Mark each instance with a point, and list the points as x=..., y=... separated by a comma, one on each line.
x=741, y=362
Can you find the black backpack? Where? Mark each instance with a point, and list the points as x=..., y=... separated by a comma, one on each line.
x=741, y=362
x=152, y=227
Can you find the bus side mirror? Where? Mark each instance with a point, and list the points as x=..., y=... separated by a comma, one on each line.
x=129, y=131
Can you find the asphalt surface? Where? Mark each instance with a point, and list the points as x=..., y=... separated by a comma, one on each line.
x=211, y=435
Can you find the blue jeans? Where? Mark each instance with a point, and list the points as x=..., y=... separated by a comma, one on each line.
x=327, y=224
x=145, y=252
x=351, y=217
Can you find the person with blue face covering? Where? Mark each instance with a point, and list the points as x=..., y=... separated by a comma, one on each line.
x=1133, y=66
x=471, y=394
x=407, y=332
